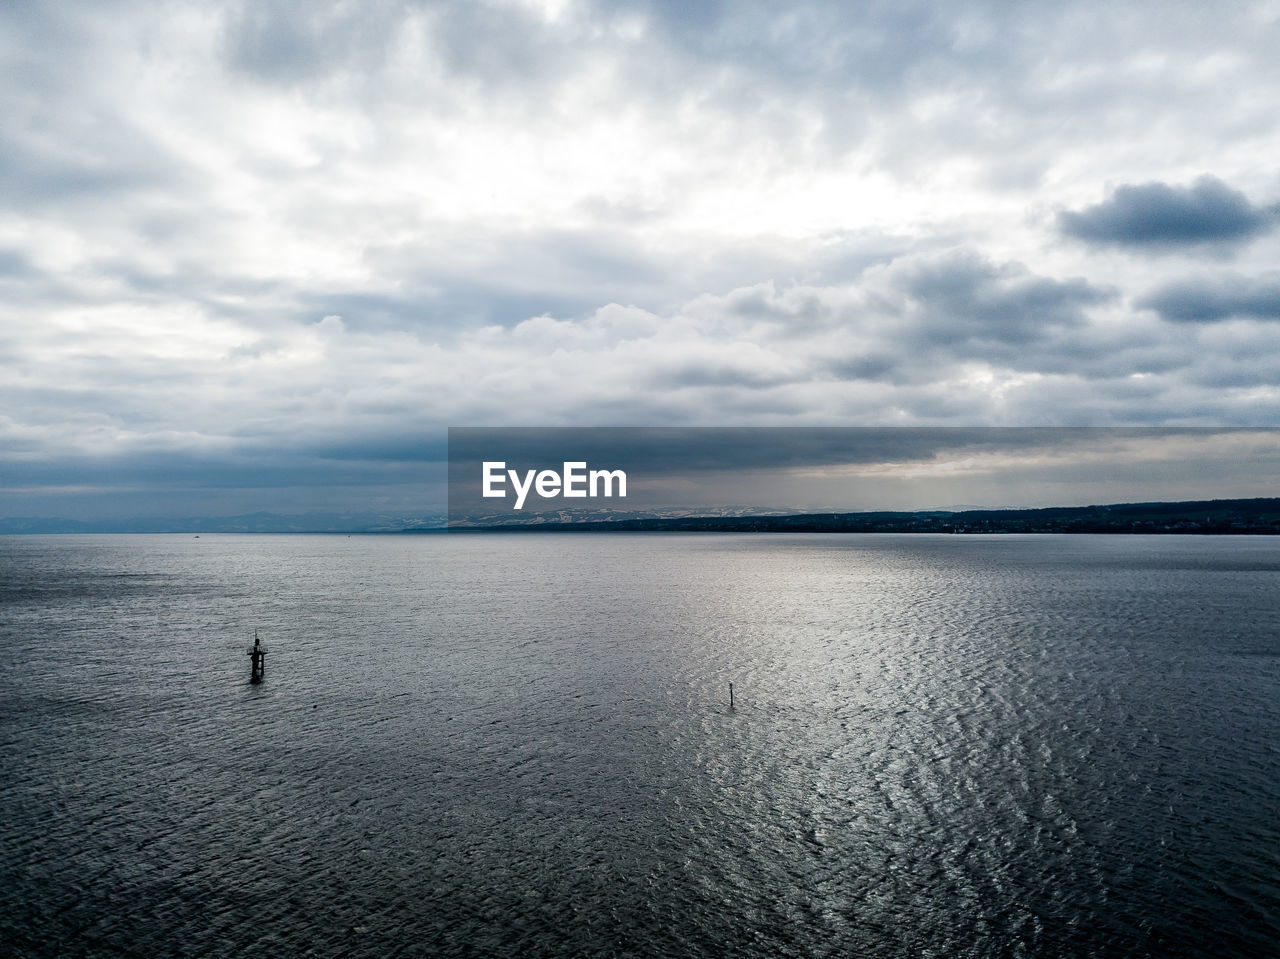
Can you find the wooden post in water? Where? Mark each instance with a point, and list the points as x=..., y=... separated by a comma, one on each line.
x=731, y=695
x=258, y=655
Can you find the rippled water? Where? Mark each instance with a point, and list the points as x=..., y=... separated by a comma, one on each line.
x=522, y=746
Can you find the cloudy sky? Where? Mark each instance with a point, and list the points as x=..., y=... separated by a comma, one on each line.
x=822, y=469
x=259, y=255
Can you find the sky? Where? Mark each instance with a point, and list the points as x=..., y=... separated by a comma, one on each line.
x=671, y=470
x=260, y=255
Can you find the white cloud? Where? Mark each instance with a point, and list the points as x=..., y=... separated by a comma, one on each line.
x=239, y=224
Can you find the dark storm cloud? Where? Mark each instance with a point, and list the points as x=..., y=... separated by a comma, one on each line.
x=964, y=299
x=823, y=469
x=658, y=450
x=701, y=373
x=1156, y=215
x=873, y=367
x=346, y=461
x=1210, y=301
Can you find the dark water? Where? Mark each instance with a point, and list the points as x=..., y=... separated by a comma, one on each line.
x=522, y=746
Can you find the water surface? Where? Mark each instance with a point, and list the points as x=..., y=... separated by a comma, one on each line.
x=522, y=745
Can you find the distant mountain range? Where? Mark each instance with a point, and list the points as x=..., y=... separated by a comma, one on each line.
x=1230, y=516
x=248, y=523
x=1227, y=516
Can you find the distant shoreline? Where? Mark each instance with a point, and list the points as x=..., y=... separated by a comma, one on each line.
x=1244, y=517
x=1229, y=517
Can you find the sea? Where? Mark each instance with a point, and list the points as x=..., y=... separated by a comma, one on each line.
x=523, y=745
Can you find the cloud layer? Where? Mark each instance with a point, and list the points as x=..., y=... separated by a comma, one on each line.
x=275, y=243
x=1218, y=298
x=1159, y=215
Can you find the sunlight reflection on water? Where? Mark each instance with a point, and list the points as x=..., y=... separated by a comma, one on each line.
x=501, y=745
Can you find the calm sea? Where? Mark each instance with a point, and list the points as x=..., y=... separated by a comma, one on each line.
x=522, y=745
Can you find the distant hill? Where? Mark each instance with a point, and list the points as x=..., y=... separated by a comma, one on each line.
x=247, y=523
x=1228, y=516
